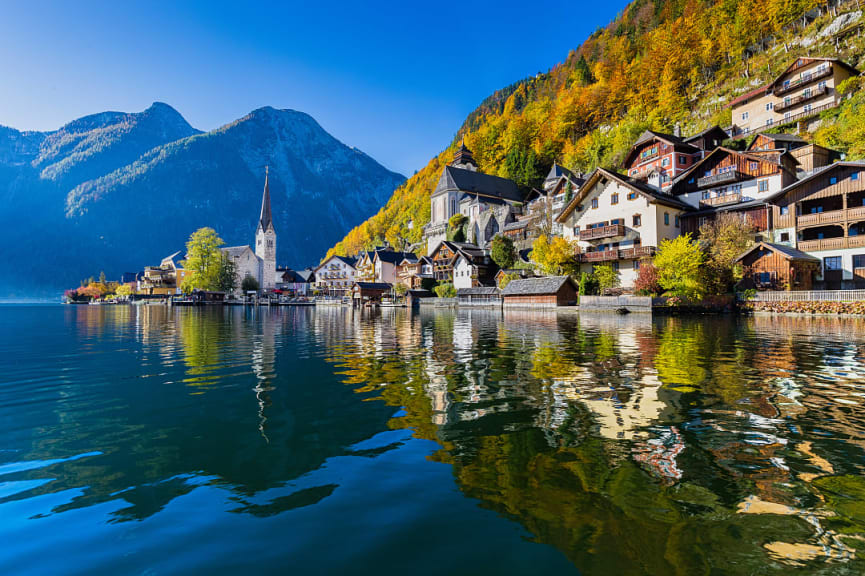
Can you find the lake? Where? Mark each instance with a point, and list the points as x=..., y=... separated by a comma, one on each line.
x=151, y=440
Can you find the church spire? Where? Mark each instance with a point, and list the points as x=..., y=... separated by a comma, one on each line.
x=266, y=219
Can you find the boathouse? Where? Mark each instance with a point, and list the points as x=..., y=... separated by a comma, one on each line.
x=778, y=267
x=479, y=296
x=364, y=292
x=546, y=292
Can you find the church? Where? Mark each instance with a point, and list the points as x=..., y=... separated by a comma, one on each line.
x=261, y=262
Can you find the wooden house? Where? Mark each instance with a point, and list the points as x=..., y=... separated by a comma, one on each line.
x=777, y=267
x=657, y=158
x=546, y=292
x=824, y=216
x=369, y=292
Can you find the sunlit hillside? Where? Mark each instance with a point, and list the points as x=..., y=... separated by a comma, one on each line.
x=657, y=64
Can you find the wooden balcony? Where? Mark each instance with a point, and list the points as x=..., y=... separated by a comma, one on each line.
x=821, y=218
x=804, y=81
x=734, y=198
x=602, y=232
x=722, y=178
x=793, y=102
x=831, y=243
x=619, y=254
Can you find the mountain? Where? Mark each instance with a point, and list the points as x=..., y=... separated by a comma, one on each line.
x=116, y=191
x=658, y=64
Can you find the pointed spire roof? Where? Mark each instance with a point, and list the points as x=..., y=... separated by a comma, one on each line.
x=266, y=219
x=464, y=155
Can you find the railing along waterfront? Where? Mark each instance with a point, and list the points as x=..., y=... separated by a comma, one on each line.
x=808, y=296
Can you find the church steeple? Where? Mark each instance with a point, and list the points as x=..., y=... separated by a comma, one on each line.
x=463, y=158
x=266, y=219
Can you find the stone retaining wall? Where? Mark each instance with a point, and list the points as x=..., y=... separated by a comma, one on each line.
x=806, y=307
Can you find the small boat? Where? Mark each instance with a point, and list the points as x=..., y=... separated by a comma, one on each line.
x=388, y=303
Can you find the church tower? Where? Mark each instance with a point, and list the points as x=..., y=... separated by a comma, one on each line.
x=265, y=240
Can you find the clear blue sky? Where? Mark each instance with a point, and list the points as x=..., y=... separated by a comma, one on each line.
x=393, y=78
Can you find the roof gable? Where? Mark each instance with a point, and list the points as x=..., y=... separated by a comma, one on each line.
x=787, y=252
x=536, y=286
x=454, y=179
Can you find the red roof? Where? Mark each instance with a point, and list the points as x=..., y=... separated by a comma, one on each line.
x=745, y=97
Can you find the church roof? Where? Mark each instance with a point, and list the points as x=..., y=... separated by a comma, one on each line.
x=235, y=251
x=464, y=156
x=477, y=183
x=265, y=221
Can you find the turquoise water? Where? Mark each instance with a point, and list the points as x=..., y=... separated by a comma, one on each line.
x=326, y=441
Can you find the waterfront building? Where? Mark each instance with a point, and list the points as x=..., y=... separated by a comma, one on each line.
x=412, y=271
x=619, y=220
x=163, y=280
x=546, y=292
x=475, y=265
x=489, y=202
x=805, y=88
x=296, y=282
x=778, y=267
x=335, y=276
x=823, y=215
x=261, y=262
x=479, y=296
x=369, y=292
x=730, y=181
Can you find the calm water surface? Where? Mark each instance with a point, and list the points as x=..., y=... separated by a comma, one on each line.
x=314, y=441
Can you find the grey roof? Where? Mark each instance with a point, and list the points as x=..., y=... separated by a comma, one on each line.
x=789, y=251
x=728, y=208
x=557, y=172
x=470, y=181
x=478, y=291
x=347, y=259
x=393, y=257
x=783, y=137
x=699, y=135
x=265, y=221
x=374, y=285
x=516, y=225
x=237, y=250
x=306, y=275
x=535, y=286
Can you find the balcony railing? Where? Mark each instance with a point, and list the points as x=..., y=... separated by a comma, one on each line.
x=602, y=232
x=793, y=102
x=733, y=198
x=831, y=243
x=722, y=178
x=618, y=254
x=805, y=79
x=831, y=217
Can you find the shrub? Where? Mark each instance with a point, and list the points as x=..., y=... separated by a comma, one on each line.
x=680, y=263
x=249, y=284
x=588, y=284
x=646, y=283
x=607, y=277
x=502, y=252
x=445, y=290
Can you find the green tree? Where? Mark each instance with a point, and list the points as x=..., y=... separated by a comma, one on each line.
x=724, y=239
x=680, y=263
x=203, y=260
x=502, y=251
x=554, y=256
x=249, y=284
x=456, y=228
x=445, y=290
x=227, y=274
x=607, y=277
x=124, y=290
x=400, y=289
x=506, y=279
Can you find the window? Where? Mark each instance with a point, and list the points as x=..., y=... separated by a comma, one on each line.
x=617, y=221
x=859, y=261
x=754, y=165
x=769, y=121
x=665, y=162
x=632, y=195
x=666, y=218
x=785, y=210
x=636, y=221
x=785, y=236
x=762, y=186
x=614, y=198
x=769, y=106
x=854, y=176
x=634, y=172
x=636, y=264
x=806, y=108
x=787, y=116
x=683, y=159
x=616, y=265
x=744, y=115
x=594, y=202
x=833, y=180
x=832, y=263
x=821, y=85
x=677, y=221
x=707, y=194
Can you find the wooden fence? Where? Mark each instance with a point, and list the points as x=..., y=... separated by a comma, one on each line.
x=808, y=296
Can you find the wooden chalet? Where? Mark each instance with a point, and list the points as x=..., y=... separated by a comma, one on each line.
x=444, y=256
x=657, y=158
x=369, y=292
x=778, y=267
x=549, y=291
x=824, y=215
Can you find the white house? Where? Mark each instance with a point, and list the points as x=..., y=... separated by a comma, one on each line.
x=618, y=220
x=336, y=275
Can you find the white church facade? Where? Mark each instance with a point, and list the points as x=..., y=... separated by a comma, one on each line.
x=261, y=262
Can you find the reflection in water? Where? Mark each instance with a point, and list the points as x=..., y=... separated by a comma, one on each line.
x=630, y=445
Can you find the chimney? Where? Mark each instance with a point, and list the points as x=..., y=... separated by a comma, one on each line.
x=677, y=130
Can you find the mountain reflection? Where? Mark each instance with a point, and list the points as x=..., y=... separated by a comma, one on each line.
x=632, y=445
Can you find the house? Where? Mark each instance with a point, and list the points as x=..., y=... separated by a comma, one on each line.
x=546, y=292
x=295, y=282
x=489, y=202
x=778, y=267
x=805, y=88
x=165, y=279
x=412, y=271
x=369, y=292
x=542, y=207
x=809, y=156
x=259, y=264
x=708, y=139
x=472, y=268
x=823, y=215
x=385, y=264
x=479, y=296
x=619, y=220
x=336, y=276
x=444, y=256
x=657, y=158
x=730, y=181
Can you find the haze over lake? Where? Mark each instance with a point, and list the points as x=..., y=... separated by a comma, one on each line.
x=339, y=441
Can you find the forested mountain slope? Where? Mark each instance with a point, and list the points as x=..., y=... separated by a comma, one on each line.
x=659, y=63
